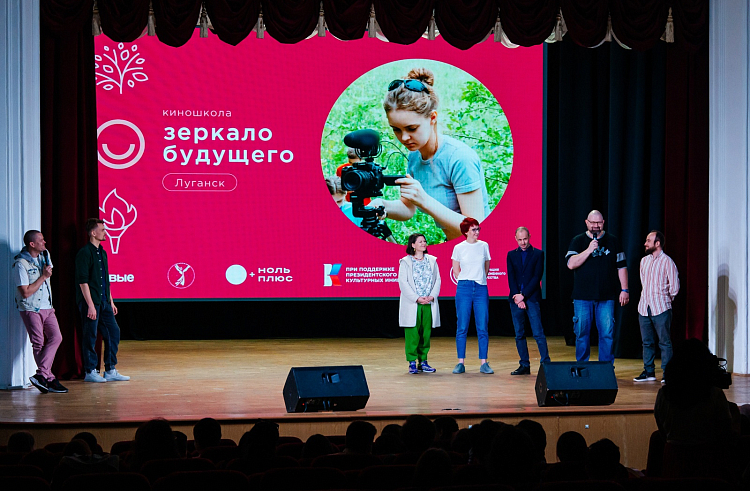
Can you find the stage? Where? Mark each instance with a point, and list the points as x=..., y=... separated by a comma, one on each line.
x=239, y=381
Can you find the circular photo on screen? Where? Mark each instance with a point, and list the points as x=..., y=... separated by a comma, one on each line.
x=415, y=146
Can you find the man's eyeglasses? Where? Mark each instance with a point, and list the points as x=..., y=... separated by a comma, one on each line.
x=410, y=84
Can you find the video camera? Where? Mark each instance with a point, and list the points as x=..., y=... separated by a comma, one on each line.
x=367, y=180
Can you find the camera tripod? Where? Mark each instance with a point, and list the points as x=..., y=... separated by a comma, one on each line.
x=370, y=221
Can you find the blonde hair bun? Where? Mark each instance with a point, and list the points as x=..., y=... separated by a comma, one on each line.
x=423, y=75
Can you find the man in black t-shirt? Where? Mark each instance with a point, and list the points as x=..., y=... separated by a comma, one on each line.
x=600, y=276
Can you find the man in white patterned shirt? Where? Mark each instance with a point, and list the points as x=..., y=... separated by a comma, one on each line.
x=660, y=285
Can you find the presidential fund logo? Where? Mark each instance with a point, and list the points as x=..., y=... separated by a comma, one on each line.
x=331, y=274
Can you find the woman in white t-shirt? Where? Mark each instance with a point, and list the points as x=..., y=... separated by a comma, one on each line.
x=471, y=263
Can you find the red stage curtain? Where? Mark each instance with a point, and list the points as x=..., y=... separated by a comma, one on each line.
x=690, y=24
x=69, y=180
x=403, y=21
x=290, y=21
x=686, y=187
x=639, y=23
x=233, y=20
x=586, y=20
x=347, y=19
x=176, y=20
x=528, y=22
x=123, y=20
x=464, y=23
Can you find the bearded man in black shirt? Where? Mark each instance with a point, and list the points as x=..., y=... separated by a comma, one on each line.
x=600, y=276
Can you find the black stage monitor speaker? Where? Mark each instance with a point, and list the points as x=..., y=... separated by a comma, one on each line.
x=564, y=383
x=310, y=389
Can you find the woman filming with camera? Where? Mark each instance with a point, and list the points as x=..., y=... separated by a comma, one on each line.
x=418, y=313
x=444, y=175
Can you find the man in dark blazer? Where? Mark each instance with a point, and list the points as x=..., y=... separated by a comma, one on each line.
x=525, y=270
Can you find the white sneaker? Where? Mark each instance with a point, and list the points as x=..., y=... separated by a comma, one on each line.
x=93, y=376
x=114, y=376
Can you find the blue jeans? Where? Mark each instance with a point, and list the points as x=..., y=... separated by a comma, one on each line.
x=106, y=324
x=470, y=293
x=534, y=315
x=583, y=313
x=656, y=328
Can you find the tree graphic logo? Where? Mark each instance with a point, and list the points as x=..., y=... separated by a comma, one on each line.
x=119, y=66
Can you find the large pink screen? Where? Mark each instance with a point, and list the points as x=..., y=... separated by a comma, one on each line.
x=212, y=161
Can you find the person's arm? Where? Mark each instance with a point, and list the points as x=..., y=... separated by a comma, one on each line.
x=436, y=287
x=400, y=209
x=89, y=302
x=413, y=193
x=486, y=268
x=533, y=284
x=511, y=273
x=456, y=269
x=403, y=283
x=622, y=273
x=674, y=280
x=29, y=290
x=577, y=260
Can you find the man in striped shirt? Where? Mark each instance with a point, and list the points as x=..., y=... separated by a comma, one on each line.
x=660, y=285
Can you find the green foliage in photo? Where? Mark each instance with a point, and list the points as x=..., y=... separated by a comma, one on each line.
x=467, y=112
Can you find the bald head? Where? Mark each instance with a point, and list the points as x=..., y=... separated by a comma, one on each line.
x=595, y=223
x=595, y=215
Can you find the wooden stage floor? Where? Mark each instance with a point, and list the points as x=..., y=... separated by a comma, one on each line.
x=238, y=381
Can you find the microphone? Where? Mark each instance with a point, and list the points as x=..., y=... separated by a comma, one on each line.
x=45, y=254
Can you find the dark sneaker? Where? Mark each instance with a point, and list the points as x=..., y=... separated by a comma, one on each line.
x=413, y=367
x=424, y=367
x=645, y=377
x=485, y=368
x=54, y=385
x=521, y=370
x=40, y=383
x=460, y=368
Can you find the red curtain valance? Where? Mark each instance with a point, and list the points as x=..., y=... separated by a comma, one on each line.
x=637, y=24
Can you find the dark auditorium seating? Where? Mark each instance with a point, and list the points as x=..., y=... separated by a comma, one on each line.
x=475, y=487
x=249, y=466
x=292, y=449
x=287, y=439
x=56, y=447
x=221, y=454
x=303, y=478
x=680, y=484
x=121, y=447
x=386, y=477
x=155, y=469
x=346, y=462
x=655, y=459
x=471, y=475
x=119, y=481
x=202, y=481
x=565, y=471
x=695, y=460
x=21, y=470
x=23, y=483
x=338, y=440
x=11, y=458
x=580, y=486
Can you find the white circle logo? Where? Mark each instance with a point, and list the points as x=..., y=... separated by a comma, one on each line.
x=236, y=274
x=181, y=275
x=119, y=161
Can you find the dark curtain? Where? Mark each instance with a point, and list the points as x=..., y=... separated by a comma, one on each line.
x=68, y=157
x=605, y=151
x=686, y=190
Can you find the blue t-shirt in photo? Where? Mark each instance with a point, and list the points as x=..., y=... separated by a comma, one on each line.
x=454, y=169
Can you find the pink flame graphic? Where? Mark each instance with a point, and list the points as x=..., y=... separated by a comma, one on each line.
x=118, y=215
